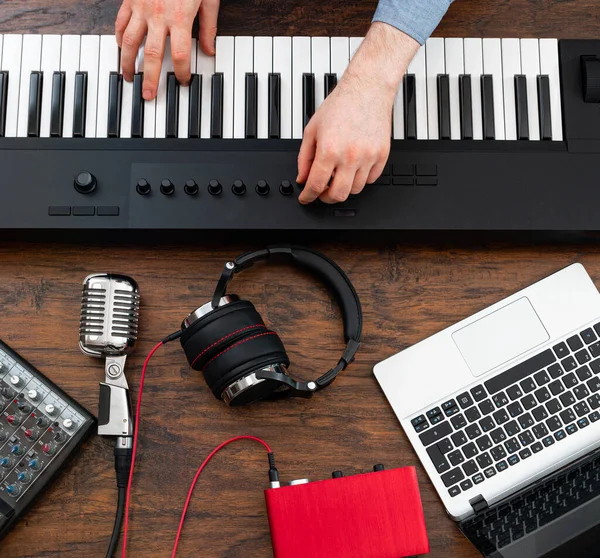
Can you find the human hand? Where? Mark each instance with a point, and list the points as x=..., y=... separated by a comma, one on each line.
x=348, y=138
x=157, y=19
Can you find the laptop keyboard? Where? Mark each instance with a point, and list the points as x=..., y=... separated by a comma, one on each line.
x=506, y=419
x=531, y=510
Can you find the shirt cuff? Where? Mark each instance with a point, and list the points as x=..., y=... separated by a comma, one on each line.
x=416, y=18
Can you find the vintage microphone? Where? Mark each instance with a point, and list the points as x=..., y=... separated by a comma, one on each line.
x=108, y=329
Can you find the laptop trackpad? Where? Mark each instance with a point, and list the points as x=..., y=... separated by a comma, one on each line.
x=500, y=336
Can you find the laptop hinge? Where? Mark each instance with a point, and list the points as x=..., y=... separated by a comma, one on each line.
x=478, y=503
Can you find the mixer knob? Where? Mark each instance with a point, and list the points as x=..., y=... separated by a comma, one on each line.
x=42, y=422
x=85, y=182
x=13, y=490
x=24, y=407
x=6, y=392
x=31, y=434
x=60, y=437
x=238, y=188
x=33, y=395
x=16, y=450
x=214, y=187
x=262, y=188
x=143, y=187
x=67, y=424
x=50, y=409
x=191, y=188
x=167, y=187
x=15, y=380
x=3, y=436
x=13, y=419
x=24, y=477
x=34, y=464
x=49, y=449
x=286, y=188
x=5, y=462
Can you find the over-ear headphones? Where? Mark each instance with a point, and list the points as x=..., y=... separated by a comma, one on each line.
x=242, y=360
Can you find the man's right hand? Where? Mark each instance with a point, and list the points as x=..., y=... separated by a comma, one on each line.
x=158, y=19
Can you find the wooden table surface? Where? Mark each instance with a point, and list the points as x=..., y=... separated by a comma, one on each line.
x=408, y=291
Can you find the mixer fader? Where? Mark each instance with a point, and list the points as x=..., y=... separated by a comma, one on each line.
x=40, y=427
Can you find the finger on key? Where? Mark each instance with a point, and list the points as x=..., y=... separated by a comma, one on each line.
x=318, y=180
x=153, y=57
x=340, y=186
x=132, y=39
x=209, y=13
x=376, y=171
x=360, y=180
x=306, y=155
x=121, y=22
x=181, y=48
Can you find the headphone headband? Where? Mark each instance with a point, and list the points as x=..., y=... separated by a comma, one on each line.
x=329, y=272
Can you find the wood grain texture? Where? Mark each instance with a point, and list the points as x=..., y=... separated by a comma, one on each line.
x=408, y=292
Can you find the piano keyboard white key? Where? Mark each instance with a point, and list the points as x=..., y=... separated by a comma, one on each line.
x=436, y=65
x=149, y=106
x=109, y=62
x=454, y=68
x=90, y=57
x=1, y=43
x=321, y=65
x=492, y=65
x=161, y=96
x=11, y=63
x=282, y=65
x=69, y=63
x=474, y=68
x=224, y=63
x=355, y=43
x=30, y=62
x=300, y=65
x=530, y=66
x=126, y=106
x=511, y=66
x=51, y=46
x=205, y=67
x=263, y=66
x=398, y=114
x=340, y=55
x=418, y=68
x=549, y=66
x=184, y=97
x=244, y=64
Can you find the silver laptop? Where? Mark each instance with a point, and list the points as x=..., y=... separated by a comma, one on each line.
x=504, y=406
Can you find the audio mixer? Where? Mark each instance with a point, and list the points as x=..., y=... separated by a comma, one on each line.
x=40, y=428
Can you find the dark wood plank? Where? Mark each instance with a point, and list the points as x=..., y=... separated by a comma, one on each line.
x=408, y=292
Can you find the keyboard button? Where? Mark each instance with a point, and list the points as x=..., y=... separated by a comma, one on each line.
x=490, y=472
x=540, y=431
x=458, y=421
x=500, y=416
x=588, y=335
x=484, y=442
x=470, y=450
x=541, y=378
x=452, y=477
x=448, y=405
x=498, y=435
x=454, y=491
x=514, y=392
x=487, y=424
x=537, y=447
x=569, y=363
x=570, y=380
x=528, y=402
x=581, y=408
x=555, y=370
x=438, y=459
x=520, y=371
x=593, y=384
x=560, y=435
x=456, y=457
x=575, y=343
x=486, y=407
x=567, y=399
x=595, y=349
x=556, y=387
x=594, y=401
x=466, y=484
x=568, y=416
x=512, y=428
x=512, y=445
x=583, y=422
x=473, y=431
x=445, y=445
x=548, y=441
x=525, y=421
x=595, y=366
x=583, y=356
x=459, y=439
x=525, y=453
x=435, y=433
x=553, y=406
x=433, y=412
x=515, y=409
x=472, y=414
x=580, y=392
x=594, y=416
x=513, y=459
x=561, y=350
x=539, y=413
x=464, y=400
x=422, y=426
x=553, y=423
x=528, y=385
x=571, y=429
x=478, y=392
x=501, y=466
x=478, y=478
x=542, y=395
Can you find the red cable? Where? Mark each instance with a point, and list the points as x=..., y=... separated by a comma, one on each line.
x=134, y=450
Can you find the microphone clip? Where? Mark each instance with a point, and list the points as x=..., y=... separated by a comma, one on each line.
x=114, y=409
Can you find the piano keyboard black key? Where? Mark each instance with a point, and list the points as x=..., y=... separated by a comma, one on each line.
x=522, y=107
x=35, y=104
x=543, y=83
x=3, y=101
x=410, y=106
x=137, y=107
x=115, y=88
x=274, y=106
x=57, y=104
x=330, y=83
x=172, y=124
x=79, y=107
x=466, y=107
x=216, y=113
x=487, y=102
x=443, y=85
x=195, y=112
x=308, y=98
x=250, y=126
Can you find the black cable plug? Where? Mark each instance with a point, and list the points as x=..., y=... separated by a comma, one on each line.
x=123, y=456
x=273, y=472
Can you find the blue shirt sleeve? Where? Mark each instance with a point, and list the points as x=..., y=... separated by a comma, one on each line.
x=417, y=18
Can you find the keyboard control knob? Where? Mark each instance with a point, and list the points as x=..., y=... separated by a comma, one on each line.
x=286, y=188
x=238, y=188
x=167, y=188
x=143, y=187
x=85, y=182
x=590, y=66
x=214, y=187
x=190, y=188
x=262, y=188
